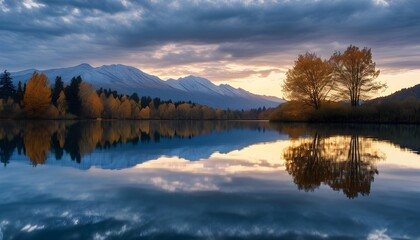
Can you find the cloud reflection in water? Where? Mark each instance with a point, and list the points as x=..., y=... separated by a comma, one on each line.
x=242, y=189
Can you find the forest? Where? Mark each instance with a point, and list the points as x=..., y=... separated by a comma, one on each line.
x=39, y=99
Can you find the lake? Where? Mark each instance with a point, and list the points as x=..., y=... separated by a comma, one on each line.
x=208, y=180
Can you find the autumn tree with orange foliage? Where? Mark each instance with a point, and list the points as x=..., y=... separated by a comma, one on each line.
x=144, y=113
x=110, y=106
x=124, y=110
x=355, y=74
x=309, y=80
x=91, y=103
x=37, y=98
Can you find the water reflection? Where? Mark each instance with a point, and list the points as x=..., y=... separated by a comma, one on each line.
x=344, y=163
x=405, y=136
x=36, y=139
x=208, y=180
x=343, y=157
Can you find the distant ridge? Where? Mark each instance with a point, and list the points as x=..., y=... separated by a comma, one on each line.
x=127, y=80
x=405, y=94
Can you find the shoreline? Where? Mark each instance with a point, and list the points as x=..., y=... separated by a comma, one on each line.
x=221, y=120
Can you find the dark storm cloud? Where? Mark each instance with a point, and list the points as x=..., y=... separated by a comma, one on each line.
x=106, y=6
x=290, y=22
x=238, y=29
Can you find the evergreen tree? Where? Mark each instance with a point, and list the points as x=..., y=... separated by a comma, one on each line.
x=7, y=89
x=19, y=94
x=108, y=93
x=72, y=96
x=58, y=87
x=145, y=101
x=100, y=91
x=135, y=97
x=156, y=102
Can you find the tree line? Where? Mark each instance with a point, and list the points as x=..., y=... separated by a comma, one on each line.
x=36, y=99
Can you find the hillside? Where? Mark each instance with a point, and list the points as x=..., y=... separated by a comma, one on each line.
x=405, y=94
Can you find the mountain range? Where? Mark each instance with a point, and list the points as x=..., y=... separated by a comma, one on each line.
x=128, y=80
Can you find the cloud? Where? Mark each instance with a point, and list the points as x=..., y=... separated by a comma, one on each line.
x=166, y=34
x=223, y=73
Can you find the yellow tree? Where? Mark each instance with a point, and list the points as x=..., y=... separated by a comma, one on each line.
x=355, y=74
x=124, y=110
x=166, y=111
x=61, y=103
x=184, y=111
x=91, y=103
x=145, y=113
x=170, y=111
x=111, y=106
x=136, y=112
x=105, y=112
x=208, y=113
x=161, y=110
x=134, y=109
x=309, y=80
x=37, y=96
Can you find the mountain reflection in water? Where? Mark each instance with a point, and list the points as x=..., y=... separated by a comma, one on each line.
x=342, y=157
x=208, y=180
x=39, y=140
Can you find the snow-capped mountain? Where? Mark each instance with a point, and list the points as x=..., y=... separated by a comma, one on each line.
x=127, y=80
x=197, y=84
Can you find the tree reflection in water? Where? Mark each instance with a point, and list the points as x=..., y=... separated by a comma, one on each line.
x=37, y=139
x=344, y=163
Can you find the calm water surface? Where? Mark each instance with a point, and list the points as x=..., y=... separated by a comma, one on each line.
x=208, y=180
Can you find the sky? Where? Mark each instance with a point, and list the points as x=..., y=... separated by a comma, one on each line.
x=245, y=43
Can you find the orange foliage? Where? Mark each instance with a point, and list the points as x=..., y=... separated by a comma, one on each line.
x=309, y=80
x=124, y=111
x=145, y=113
x=37, y=96
x=91, y=103
x=355, y=74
